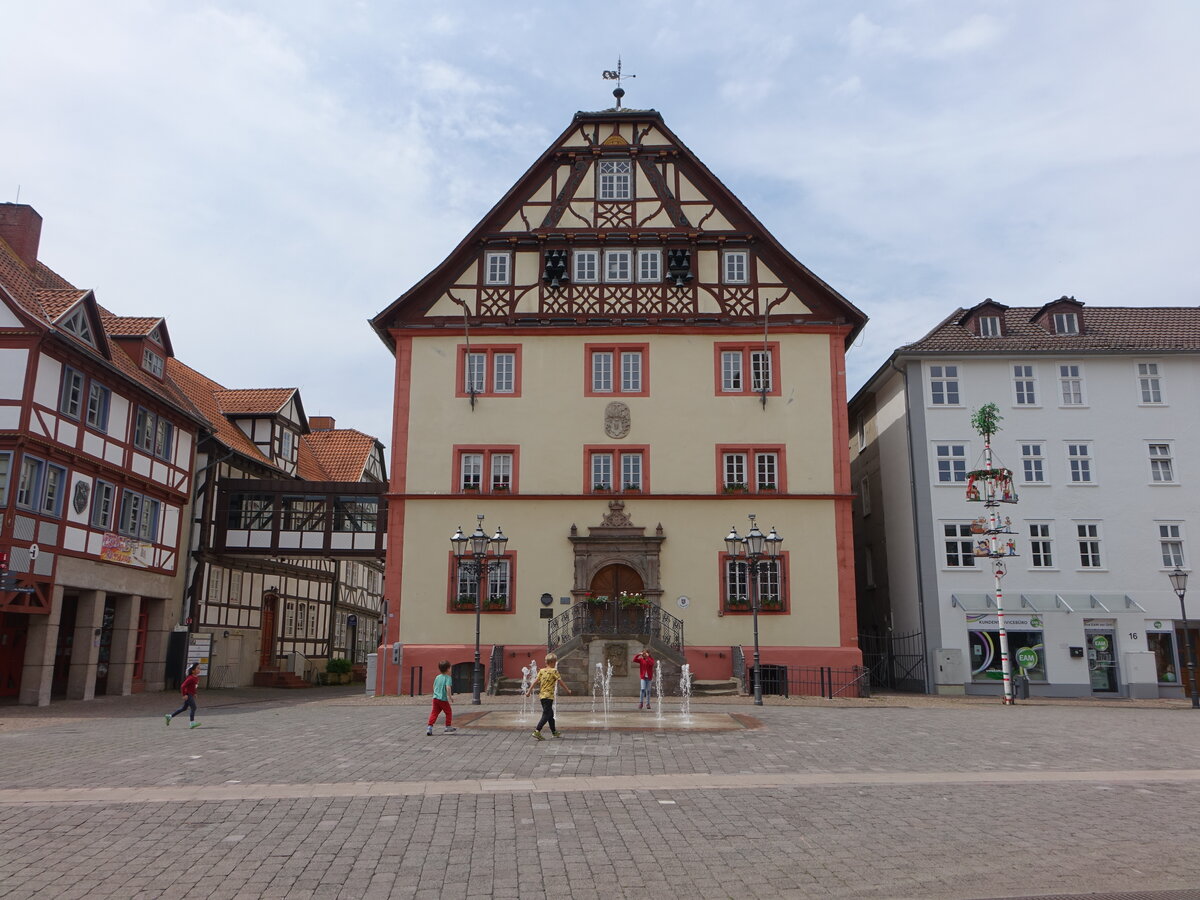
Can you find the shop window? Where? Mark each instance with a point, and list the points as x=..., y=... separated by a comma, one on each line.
x=984, y=650
x=1162, y=645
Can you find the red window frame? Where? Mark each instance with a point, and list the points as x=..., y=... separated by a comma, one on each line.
x=490, y=350
x=785, y=606
x=752, y=485
x=452, y=586
x=591, y=450
x=772, y=347
x=485, y=477
x=616, y=349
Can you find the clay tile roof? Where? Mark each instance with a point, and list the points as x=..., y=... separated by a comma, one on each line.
x=307, y=466
x=202, y=392
x=253, y=401
x=341, y=453
x=129, y=326
x=56, y=301
x=1103, y=329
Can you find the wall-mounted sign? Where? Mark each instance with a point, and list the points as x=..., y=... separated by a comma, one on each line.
x=547, y=599
x=683, y=602
x=1012, y=623
x=1027, y=658
x=199, y=650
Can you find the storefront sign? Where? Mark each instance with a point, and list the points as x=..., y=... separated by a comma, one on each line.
x=1027, y=658
x=991, y=620
x=1100, y=642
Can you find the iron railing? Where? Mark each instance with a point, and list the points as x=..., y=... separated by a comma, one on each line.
x=495, y=668
x=739, y=663
x=830, y=682
x=896, y=661
x=651, y=621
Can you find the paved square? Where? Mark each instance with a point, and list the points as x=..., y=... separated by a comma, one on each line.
x=325, y=793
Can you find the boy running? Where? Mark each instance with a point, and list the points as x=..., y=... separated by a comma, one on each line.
x=547, y=678
x=442, y=685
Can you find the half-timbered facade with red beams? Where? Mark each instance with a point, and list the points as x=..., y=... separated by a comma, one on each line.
x=619, y=313
x=96, y=455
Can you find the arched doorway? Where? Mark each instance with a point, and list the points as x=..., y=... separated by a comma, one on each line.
x=607, y=612
x=616, y=579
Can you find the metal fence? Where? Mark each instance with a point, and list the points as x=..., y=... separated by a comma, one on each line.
x=611, y=618
x=812, y=681
x=896, y=661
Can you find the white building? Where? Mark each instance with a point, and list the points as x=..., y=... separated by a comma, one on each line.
x=1099, y=412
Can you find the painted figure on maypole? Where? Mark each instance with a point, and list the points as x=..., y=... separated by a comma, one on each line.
x=991, y=486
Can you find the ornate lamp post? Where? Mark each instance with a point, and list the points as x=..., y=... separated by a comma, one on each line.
x=752, y=549
x=1179, y=580
x=472, y=554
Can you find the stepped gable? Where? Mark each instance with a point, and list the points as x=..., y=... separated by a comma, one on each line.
x=675, y=205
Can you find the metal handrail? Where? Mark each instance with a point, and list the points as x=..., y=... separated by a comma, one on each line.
x=611, y=618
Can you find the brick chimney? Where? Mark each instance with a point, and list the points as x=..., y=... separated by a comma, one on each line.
x=21, y=228
x=320, y=423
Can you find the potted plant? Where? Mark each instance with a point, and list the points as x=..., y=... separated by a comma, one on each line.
x=737, y=602
x=767, y=486
x=500, y=488
x=470, y=487
x=464, y=601
x=497, y=601
x=337, y=671
x=772, y=601
x=631, y=601
x=735, y=487
x=596, y=599
x=631, y=488
x=601, y=487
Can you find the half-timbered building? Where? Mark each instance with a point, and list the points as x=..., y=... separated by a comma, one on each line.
x=96, y=454
x=615, y=365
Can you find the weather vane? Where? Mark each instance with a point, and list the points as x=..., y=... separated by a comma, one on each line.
x=610, y=75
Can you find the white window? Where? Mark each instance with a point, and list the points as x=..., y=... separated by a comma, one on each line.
x=139, y=516
x=615, y=179
x=631, y=371
x=631, y=471
x=960, y=545
x=102, y=505
x=943, y=385
x=164, y=436
x=1088, y=536
x=504, y=367
x=951, y=463
x=737, y=584
x=1170, y=540
x=587, y=266
x=152, y=363
x=760, y=371
x=734, y=466
x=1079, y=461
x=143, y=432
x=496, y=267
x=864, y=496
x=602, y=471
x=861, y=430
x=766, y=471
x=214, y=585
x=1024, y=385
x=1066, y=323
x=1161, y=469
x=618, y=265
x=1041, y=549
x=476, y=373
x=602, y=371
x=287, y=442
x=71, y=399
x=471, y=470
x=989, y=326
x=498, y=583
x=99, y=398
x=1033, y=464
x=502, y=468
x=731, y=370
x=1070, y=382
x=736, y=267
x=52, y=490
x=1149, y=383
x=649, y=266
x=30, y=484
x=5, y=473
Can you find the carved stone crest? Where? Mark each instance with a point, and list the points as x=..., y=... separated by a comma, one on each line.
x=616, y=419
x=83, y=490
x=616, y=517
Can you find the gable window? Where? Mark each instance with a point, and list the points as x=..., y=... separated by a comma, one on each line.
x=1033, y=464
x=989, y=326
x=1088, y=538
x=736, y=588
x=485, y=469
x=943, y=385
x=152, y=363
x=489, y=372
x=616, y=177
x=735, y=267
x=960, y=545
x=1170, y=541
x=649, y=268
x=99, y=400
x=102, y=505
x=496, y=268
x=1041, y=550
x=1161, y=469
x=71, y=397
x=1149, y=383
x=1024, y=385
x=287, y=443
x=618, y=266
x=79, y=326
x=758, y=469
x=951, y=462
x=1066, y=323
x=747, y=369
x=1070, y=382
x=1079, y=459
x=617, y=470
x=587, y=266
x=617, y=370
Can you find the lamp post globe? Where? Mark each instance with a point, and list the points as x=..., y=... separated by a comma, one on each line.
x=752, y=549
x=1179, y=580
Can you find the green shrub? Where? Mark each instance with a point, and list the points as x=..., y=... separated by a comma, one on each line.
x=338, y=666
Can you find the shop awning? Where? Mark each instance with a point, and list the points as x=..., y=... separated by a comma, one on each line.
x=973, y=602
x=1045, y=602
x=1109, y=602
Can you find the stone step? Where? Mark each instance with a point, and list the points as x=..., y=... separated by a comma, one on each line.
x=716, y=688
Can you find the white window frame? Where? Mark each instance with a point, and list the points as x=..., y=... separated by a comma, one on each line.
x=70, y=398
x=766, y=469
x=958, y=546
x=614, y=179
x=152, y=362
x=732, y=375
x=504, y=372
x=649, y=266
x=1170, y=543
x=1041, y=545
x=989, y=326
x=1162, y=462
x=631, y=371
x=945, y=388
x=632, y=477
x=6, y=458
x=735, y=267
x=1033, y=462
x=1066, y=323
x=618, y=266
x=1070, y=385
x=470, y=471
x=602, y=371
x=475, y=372
x=956, y=468
x=586, y=266
x=601, y=468
x=1080, y=463
x=99, y=401
x=500, y=465
x=103, y=495
x=1149, y=384
x=1088, y=542
x=735, y=470
x=497, y=268
x=1025, y=386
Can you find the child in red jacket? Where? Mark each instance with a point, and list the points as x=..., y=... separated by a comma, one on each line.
x=188, y=689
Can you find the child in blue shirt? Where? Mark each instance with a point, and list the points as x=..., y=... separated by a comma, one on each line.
x=441, y=698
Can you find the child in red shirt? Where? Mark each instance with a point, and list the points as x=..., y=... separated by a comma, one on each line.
x=188, y=690
x=646, y=670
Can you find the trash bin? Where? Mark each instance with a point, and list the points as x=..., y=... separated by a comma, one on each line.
x=1021, y=687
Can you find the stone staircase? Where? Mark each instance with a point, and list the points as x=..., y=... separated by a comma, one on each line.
x=726, y=687
x=277, y=679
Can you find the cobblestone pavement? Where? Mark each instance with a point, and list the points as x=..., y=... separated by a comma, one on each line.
x=325, y=793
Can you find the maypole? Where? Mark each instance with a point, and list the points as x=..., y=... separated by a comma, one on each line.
x=997, y=488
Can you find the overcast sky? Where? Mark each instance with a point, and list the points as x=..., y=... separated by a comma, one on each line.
x=269, y=175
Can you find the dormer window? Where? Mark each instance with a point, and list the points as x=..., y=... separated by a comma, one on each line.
x=615, y=179
x=78, y=325
x=989, y=326
x=156, y=335
x=152, y=363
x=1066, y=323
x=286, y=444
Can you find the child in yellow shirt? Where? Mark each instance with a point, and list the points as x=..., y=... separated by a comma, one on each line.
x=547, y=678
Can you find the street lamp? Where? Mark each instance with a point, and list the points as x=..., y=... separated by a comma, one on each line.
x=471, y=554
x=1179, y=584
x=752, y=549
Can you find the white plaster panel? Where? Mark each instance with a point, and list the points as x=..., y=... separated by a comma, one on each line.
x=68, y=432
x=75, y=539
x=341, y=541
x=10, y=418
x=93, y=445
x=48, y=381
x=183, y=448
x=289, y=540
x=159, y=472
x=237, y=538
x=13, y=363
x=72, y=515
x=8, y=319
x=95, y=541
x=38, y=423
x=313, y=540
x=260, y=539
x=114, y=453
x=118, y=416
x=140, y=464
x=170, y=525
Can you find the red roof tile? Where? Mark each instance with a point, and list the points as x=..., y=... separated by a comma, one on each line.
x=251, y=401
x=202, y=392
x=342, y=453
